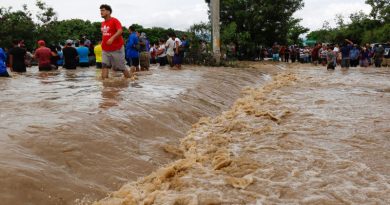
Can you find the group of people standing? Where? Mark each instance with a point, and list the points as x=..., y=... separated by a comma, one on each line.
x=17, y=58
x=48, y=58
x=140, y=53
x=110, y=53
x=137, y=52
x=351, y=55
x=330, y=55
x=282, y=53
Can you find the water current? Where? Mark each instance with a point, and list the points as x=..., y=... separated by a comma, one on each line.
x=66, y=137
x=308, y=136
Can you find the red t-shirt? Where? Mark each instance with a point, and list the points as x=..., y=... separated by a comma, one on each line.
x=43, y=54
x=109, y=28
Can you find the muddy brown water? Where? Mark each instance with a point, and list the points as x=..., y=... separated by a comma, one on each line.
x=308, y=136
x=66, y=136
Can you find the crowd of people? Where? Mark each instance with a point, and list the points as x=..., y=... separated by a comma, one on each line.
x=332, y=55
x=109, y=53
x=138, y=52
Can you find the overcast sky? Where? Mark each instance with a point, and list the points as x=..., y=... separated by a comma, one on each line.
x=181, y=14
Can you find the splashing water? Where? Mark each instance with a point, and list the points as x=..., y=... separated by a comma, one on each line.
x=309, y=136
x=68, y=138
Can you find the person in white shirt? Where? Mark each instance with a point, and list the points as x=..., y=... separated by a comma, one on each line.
x=170, y=45
x=337, y=52
x=161, y=53
x=336, y=48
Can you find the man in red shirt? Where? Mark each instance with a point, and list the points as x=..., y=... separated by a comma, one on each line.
x=43, y=55
x=113, y=55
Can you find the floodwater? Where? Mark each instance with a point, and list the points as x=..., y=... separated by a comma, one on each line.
x=308, y=136
x=68, y=138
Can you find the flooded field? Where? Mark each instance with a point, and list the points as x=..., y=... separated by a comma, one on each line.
x=309, y=136
x=68, y=138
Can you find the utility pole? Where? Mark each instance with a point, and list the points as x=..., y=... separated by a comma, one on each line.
x=215, y=12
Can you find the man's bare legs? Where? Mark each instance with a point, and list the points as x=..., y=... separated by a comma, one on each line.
x=104, y=73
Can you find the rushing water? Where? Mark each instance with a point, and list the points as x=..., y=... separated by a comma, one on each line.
x=66, y=136
x=310, y=136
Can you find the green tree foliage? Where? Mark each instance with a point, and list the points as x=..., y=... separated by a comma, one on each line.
x=229, y=33
x=155, y=33
x=201, y=31
x=71, y=29
x=380, y=9
x=200, y=37
x=16, y=25
x=295, y=31
x=378, y=35
x=46, y=13
x=249, y=23
x=47, y=19
x=361, y=29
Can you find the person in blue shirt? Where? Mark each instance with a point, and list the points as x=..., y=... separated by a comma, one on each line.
x=185, y=45
x=60, y=61
x=354, y=56
x=345, y=53
x=132, y=49
x=83, y=53
x=3, y=67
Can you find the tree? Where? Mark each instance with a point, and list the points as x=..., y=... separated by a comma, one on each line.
x=155, y=33
x=137, y=27
x=16, y=25
x=72, y=29
x=295, y=31
x=201, y=31
x=322, y=35
x=380, y=9
x=378, y=35
x=339, y=20
x=326, y=25
x=362, y=29
x=47, y=19
x=249, y=23
x=96, y=36
x=46, y=14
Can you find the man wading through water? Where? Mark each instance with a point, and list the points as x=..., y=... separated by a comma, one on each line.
x=113, y=55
